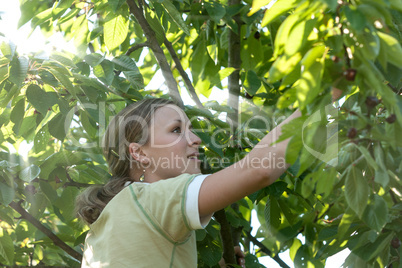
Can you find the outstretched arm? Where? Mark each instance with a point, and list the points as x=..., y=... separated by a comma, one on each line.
x=250, y=174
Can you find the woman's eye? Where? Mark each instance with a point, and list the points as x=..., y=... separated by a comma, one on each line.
x=177, y=130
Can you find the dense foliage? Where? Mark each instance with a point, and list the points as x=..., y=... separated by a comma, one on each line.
x=344, y=187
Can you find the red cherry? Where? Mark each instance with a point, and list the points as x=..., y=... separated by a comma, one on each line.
x=396, y=243
x=372, y=101
x=391, y=119
x=350, y=74
x=352, y=132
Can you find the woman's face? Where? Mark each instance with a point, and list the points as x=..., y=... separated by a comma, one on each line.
x=172, y=148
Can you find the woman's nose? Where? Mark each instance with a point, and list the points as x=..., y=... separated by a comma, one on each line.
x=194, y=139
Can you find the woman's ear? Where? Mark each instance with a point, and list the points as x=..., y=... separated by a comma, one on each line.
x=137, y=153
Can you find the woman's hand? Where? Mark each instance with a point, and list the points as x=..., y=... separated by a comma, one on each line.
x=239, y=257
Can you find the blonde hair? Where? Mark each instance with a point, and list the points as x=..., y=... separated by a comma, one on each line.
x=129, y=125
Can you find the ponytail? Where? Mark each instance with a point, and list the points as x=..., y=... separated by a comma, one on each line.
x=91, y=202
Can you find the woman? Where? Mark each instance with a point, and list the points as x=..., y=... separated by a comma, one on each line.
x=145, y=216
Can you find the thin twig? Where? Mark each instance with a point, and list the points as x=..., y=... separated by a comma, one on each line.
x=183, y=74
x=135, y=47
x=153, y=44
x=234, y=60
x=56, y=240
x=394, y=89
x=266, y=250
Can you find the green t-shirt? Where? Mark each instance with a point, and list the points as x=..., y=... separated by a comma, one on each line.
x=145, y=225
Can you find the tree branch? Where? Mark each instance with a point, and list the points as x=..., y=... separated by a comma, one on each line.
x=266, y=250
x=226, y=235
x=171, y=83
x=179, y=67
x=394, y=89
x=135, y=47
x=234, y=61
x=56, y=240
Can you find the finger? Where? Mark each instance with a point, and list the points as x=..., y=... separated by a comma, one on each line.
x=239, y=252
x=222, y=263
x=241, y=262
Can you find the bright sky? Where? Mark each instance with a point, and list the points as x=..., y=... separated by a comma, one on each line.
x=10, y=14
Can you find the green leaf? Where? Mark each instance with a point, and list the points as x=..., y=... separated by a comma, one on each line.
x=64, y=80
x=392, y=47
x=325, y=185
x=369, y=43
x=298, y=36
x=155, y=24
x=8, y=49
x=279, y=8
x=251, y=82
x=252, y=54
x=371, y=251
x=4, y=73
x=115, y=31
x=356, y=190
x=7, y=193
x=125, y=63
x=355, y=17
x=29, y=173
x=376, y=213
x=283, y=32
x=28, y=127
x=94, y=59
x=69, y=16
x=63, y=59
x=89, y=81
x=63, y=159
x=283, y=66
x=59, y=126
x=257, y=5
x=225, y=72
x=64, y=203
x=309, y=84
x=41, y=18
x=41, y=139
x=5, y=216
x=116, y=4
x=6, y=247
x=381, y=174
x=17, y=114
x=396, y=4
x=210, y=252
x=176, y=16
x=105, y=71
x=135, y=78
x=18, y=70
x=65, y=3
x=290, y=217
x=302, y=257
x=293, y=149
x=272, y=214
x=215, y=10
x=40, y=99
x=48, y=78
x=367, y=155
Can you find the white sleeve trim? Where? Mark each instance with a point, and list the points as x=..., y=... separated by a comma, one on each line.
x=192, y=211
